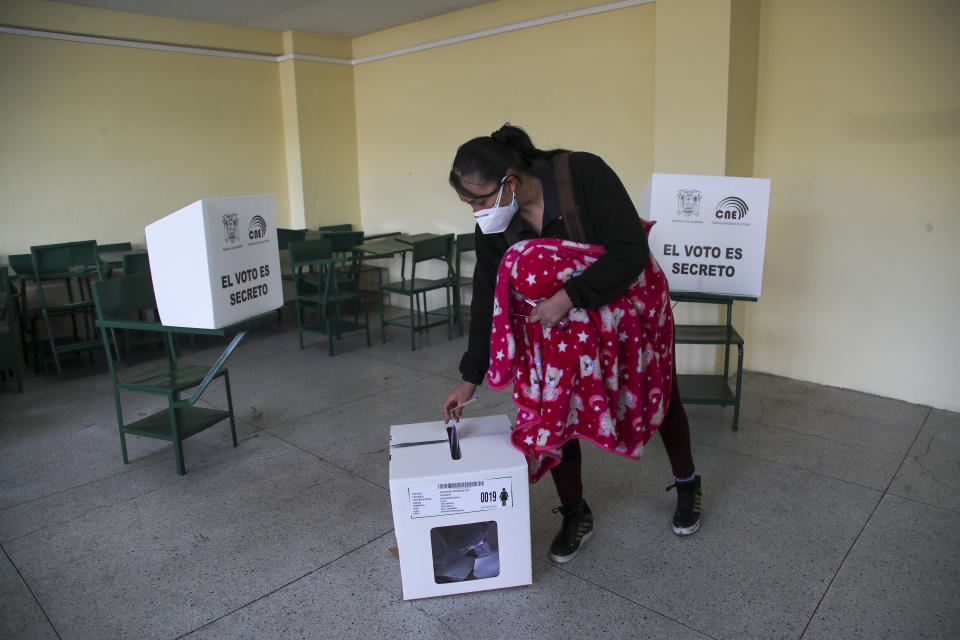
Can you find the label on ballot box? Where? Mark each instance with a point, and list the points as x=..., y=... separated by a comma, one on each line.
x=462, y=524
x=443, y=498
x=216, y=262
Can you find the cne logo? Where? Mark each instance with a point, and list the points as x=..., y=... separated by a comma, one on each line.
x=731, y=208
x=231, y=221
x=257, y=228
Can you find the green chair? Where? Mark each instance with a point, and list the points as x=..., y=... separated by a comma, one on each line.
x=318, y=291
x=117, y=300
x=342, y=243
x=336, y=227
x=9, y=317
x=464, y=243
x=345, y=243
x=284, y=238
x=362, y=263
x=115, y=246
x=130, y=264
x=71, y=262
x=22, y=266
x=421, y=319
x=108, y=267
x=136, y=262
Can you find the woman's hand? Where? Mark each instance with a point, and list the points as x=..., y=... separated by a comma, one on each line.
x=458, y=396
x=553, y=309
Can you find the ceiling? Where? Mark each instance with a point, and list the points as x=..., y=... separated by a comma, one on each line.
x=347, y=18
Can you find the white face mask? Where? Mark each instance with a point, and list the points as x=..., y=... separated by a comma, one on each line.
x=497, y=218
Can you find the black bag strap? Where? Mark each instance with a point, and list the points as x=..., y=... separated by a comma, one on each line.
x=568, y=205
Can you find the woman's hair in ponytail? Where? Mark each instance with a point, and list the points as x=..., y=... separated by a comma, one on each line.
x=517, y=139
x=486, y=159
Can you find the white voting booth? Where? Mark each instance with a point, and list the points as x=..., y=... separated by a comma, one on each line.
x=710, y=233
x=461, y=524
x=216, y=262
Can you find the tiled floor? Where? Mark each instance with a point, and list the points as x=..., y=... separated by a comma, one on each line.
x=829, y=514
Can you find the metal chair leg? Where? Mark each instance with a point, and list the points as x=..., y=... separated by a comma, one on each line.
x=736, y=404
x=299, y=313
x=449, y=315
x=413, y=327
x=177, y=444
x=383, y=327
x=233, y=424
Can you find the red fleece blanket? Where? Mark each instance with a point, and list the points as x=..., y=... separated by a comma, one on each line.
x=605, y=376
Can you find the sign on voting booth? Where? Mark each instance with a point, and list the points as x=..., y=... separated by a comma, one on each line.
x=710, y=233
x=461, y=524
x=216, y=262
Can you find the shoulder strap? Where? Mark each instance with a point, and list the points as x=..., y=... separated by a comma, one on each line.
x=568, y=206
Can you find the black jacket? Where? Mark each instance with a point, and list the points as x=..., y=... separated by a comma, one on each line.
x=608, y=218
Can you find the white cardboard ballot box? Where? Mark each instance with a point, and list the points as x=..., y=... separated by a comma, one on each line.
x=461, y=525
x=710, y=233
x=216, y=262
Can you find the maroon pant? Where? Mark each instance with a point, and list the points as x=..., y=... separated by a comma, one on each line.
x=675, y=433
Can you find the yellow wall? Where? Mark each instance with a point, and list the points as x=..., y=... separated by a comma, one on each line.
x=859, y=128
x=693, y=37
x=296, y=216
x=319, y=116
x=581, y=84
x=742, y=87
x=329, y=143
x=100, y=141
x=690, y=124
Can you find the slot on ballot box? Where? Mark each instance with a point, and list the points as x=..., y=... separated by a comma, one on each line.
x=462, y=524
x=215, y=262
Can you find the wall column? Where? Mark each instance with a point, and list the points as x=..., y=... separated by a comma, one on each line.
x=291, y=142
x=705, y=94
x=320, y=131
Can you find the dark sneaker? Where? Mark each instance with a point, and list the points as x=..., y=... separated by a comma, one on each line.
x=686, y=519
x=576, y=529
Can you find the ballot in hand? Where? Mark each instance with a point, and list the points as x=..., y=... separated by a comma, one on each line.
x=453, y=407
